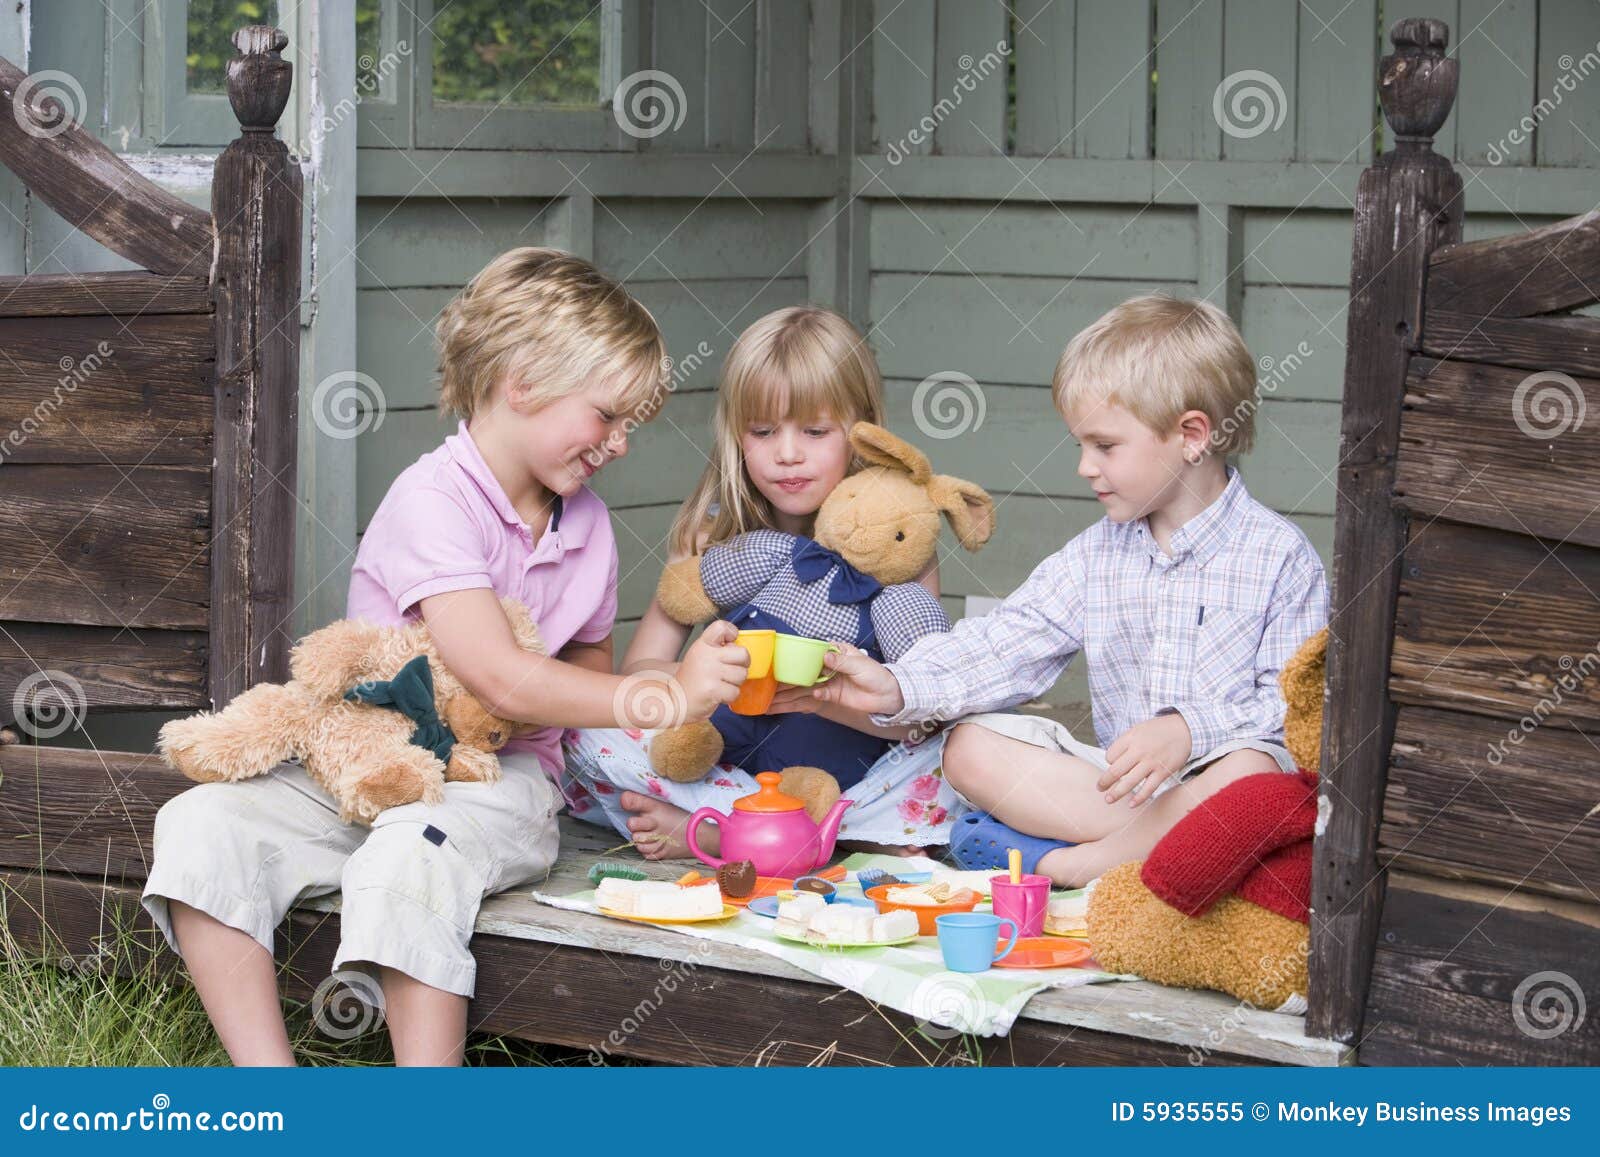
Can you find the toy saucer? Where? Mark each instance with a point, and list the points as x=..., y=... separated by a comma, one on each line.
x=728, y=910
x=768, y=905
x=1041, y=952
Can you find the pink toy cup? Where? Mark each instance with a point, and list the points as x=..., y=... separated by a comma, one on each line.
x=1025, y=903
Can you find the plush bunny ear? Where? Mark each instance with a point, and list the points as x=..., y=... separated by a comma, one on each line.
x=968, y=507
x=882, y=448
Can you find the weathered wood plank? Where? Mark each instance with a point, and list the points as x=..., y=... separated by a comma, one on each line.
x=97, y=294
x=1475, y=799
x=902, y=77
x=1570, y=344
x=105, y=545
x=1409, y=201
x=114, y=669
x=608, y=1001
x=129, y=390
x=1473, y=435
x=1189, y=63
x=1498, y=624
x=783, y=95
x=1541, y=271
x=1470, y=975
x=256, y=199
x=1498, y=47
x=94, y=189
x=969, y=79
x=91, y=813
x=1046, y=50
x=1335, y=60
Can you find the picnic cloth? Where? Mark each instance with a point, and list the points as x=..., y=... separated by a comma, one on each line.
x=912, y=978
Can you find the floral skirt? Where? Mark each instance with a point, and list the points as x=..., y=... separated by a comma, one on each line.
x=903, y=799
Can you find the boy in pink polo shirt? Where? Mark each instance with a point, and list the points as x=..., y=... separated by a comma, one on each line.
x=549, y=363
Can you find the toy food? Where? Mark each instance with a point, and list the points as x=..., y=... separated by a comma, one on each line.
x=808, y=917
x=1068, y=915
x=658, y=900
x=737, y=878
x=930, y=895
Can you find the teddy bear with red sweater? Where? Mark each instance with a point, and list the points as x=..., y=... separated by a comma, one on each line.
x=1223, y=901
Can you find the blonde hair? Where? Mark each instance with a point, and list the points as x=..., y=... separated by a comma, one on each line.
x=799, y=362
x=551, y=323
x=1157, y=357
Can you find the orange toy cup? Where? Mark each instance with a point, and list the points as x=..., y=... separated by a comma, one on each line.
x=760, y=684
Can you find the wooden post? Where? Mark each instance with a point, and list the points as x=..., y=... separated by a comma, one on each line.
x=255, y=203
x=1408, y=203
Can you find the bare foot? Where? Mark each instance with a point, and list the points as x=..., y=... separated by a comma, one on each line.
x=659, y=828
x=1069, y=867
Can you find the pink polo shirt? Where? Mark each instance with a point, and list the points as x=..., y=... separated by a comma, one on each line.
x=447, y=525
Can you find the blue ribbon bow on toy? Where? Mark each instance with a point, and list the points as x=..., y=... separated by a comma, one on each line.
x=812, y=561
x=410, y=692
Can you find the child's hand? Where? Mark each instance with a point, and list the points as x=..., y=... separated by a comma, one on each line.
x=789, y=700
x=1143, y=756
x=712, y=670
x=860, y=683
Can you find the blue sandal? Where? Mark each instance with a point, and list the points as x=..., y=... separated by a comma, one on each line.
x=980, y=842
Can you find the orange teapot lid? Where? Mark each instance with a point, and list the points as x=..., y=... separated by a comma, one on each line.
x=767, y=797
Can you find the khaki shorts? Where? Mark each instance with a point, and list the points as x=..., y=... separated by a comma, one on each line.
x=410, y=885
x=1051, y=735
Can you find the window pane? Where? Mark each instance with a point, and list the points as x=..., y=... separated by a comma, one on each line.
x=532, y=52
x=210, y=45
x=369, y=46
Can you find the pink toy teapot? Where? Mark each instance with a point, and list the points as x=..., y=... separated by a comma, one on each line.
x=771, y=830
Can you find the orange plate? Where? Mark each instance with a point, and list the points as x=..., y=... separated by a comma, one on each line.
x=772, y=885
x=1044, y=952
x=927, y=914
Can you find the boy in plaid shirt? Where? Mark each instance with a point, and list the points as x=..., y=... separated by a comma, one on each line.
x=1186, y=599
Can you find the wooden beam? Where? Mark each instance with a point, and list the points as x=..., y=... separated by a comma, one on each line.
x=99, y=294
x=256, y=199
x=1408, y=202
x=1570, y=344
x=94, y=189
x=1541, y=271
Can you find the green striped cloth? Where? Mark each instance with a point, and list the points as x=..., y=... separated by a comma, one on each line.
x=912, y=979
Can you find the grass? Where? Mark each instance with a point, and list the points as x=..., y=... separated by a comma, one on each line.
x=119, y=1008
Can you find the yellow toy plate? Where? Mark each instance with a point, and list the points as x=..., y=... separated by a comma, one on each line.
x=728, y=910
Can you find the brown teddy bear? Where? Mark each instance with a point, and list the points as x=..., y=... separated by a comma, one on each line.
x=1223, y=900
x=371, y=712
x=854, y=581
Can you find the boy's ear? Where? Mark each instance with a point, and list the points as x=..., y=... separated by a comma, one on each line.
x=968, y=507
x=882, y=448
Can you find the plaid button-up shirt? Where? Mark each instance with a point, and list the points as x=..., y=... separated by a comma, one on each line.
x=1204, y=630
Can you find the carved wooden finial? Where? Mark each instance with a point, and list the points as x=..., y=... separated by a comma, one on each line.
x=1417, y=82
x=259, y=78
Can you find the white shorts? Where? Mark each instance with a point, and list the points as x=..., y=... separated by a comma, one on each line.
x=1039, y=731
x=410, y=885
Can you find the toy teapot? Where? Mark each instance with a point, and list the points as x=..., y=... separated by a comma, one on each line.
x=771, y=830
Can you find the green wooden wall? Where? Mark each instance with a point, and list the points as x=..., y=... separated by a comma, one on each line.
x=971, y=182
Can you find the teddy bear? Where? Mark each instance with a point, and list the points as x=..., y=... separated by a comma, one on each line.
x=1223, y=900
x=854, y=581
x=371, y=712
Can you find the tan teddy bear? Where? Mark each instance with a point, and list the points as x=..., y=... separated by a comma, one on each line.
x=854, y=580
x=1223, y=900
x=334, y=716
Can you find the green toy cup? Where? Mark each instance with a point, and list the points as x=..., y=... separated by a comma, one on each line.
x=798, y=660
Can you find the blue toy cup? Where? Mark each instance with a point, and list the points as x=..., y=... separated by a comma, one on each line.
x=968, y=939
